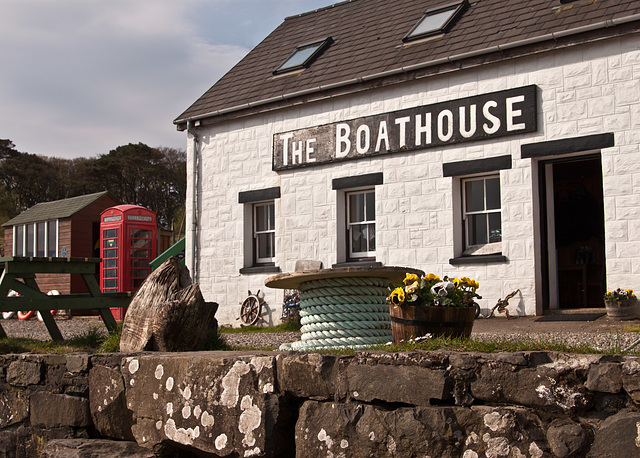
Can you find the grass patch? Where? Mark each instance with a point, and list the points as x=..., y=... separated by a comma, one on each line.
x=285, y=327
x=93, y=340
x=499, y=346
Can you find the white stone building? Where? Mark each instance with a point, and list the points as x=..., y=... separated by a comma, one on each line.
x=496, y=139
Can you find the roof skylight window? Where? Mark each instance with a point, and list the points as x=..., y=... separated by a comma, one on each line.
x=436, y=21
x=303, y=56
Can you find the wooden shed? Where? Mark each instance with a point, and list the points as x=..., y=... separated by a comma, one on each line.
x=62, y=228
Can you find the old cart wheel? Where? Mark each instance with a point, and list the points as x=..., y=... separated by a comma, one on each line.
x=250, y=311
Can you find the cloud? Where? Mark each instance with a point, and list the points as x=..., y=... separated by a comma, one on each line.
x=81, y=77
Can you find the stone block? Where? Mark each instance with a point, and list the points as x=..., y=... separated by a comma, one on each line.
x=605, y=378
x=77, y=362
x=407, y=384
x=353, y=429
x=50, y=410
x=529, y=387
x=617, y=436
x=89, y=448
x=216, y=403
x=566, y=438
x=14, y=406
x=24, y=373
x=108, y=404
x=309, y=375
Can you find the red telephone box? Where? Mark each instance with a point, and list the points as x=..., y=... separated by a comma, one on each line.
x=128, y=242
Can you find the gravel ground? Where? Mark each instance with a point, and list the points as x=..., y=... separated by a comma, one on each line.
x=597, y=337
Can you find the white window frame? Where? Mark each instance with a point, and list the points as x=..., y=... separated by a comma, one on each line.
x=34, y=226
x=489, y=247
x=269, y=231
x=370, y=253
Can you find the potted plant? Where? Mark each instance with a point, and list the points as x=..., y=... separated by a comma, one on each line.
x=430, y=305
x=620, y=304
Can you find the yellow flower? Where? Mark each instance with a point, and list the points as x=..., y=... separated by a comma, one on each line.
x=397, y=296
x=456, y=282
x=410, y=278
x=431, y=277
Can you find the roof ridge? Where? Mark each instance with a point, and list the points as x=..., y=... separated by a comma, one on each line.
x=319, y=9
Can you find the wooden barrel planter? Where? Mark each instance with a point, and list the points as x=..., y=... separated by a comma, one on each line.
x=621, y=309
x=409, y=322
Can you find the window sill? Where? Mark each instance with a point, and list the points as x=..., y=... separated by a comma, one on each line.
x=479, y=259
x=367, y=263
x=260, y=270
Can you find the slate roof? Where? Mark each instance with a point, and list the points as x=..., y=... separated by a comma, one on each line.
x=57, y=209
x=368, y=50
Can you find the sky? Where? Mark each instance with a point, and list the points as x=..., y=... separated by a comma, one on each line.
x=78, y=78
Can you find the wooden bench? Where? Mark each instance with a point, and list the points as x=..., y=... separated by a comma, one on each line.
x=19, y=274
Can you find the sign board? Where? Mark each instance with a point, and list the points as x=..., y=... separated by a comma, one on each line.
x=480, y=117
x=139, y=218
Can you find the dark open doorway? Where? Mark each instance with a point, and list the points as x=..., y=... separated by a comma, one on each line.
x=575, y=232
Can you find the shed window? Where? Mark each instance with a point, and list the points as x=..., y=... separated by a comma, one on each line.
x=436, y=21
x=36, y=239
x=303, y=56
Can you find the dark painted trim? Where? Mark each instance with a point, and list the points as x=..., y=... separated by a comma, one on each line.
x=358, y=264
x=490, y=164
x=260, y=270
x=567, y=145
x=258, y=195
x=370, y=179
x=480, y=259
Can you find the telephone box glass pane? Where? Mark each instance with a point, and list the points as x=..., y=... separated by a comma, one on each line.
x=140, y=243
x=140, y=273
x=110, y=263
x=110, y=253
x=110, y=243
x=110, y=233
x=109, y=283
x=140, y=254
x=110, y=273
x=140, y=234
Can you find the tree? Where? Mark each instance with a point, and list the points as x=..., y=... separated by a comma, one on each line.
x=151, y=177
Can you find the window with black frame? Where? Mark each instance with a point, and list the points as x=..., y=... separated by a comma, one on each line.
x=482, y=213
x=264, y=233
x=361, y=224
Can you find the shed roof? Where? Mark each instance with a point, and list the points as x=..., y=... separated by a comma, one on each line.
x=368, y=51
x=57, y=209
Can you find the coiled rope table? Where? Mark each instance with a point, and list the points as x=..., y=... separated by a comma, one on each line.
x=344, y=307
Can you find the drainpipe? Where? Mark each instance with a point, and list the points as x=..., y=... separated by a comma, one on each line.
x=194, y=200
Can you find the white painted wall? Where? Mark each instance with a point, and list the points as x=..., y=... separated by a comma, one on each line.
x=584, y=90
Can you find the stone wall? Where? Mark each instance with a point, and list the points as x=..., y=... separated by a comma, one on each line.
x=436, y=404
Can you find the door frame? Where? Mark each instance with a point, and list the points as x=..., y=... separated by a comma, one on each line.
x=546, y=227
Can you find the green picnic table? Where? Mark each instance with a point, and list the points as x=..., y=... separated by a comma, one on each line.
x=19, y=274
